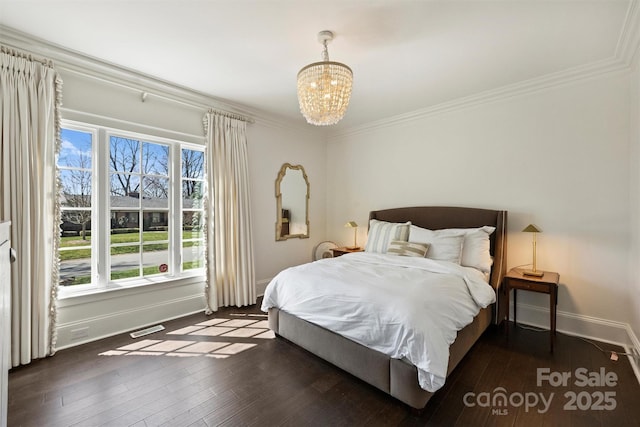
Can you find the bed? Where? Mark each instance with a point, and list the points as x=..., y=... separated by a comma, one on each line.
x=401, y=377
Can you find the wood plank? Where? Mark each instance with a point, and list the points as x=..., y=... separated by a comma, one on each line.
x=274, y=382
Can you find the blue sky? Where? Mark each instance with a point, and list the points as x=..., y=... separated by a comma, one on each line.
x=75, y=148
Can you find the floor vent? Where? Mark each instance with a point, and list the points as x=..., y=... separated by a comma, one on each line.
x=147, y=331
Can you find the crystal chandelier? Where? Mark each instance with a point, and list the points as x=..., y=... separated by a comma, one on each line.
x=324, y=88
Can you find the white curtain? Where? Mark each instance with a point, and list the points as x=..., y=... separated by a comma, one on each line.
x=230, y=265
x=30, y=92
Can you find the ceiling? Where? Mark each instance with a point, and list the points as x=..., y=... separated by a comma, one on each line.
x=405, y=55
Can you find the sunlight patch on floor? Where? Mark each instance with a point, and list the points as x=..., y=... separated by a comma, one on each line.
x=252, y=327
x=212, y=331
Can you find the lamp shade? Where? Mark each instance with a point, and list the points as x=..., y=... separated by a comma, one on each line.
x=531, y=228
x=354, y=225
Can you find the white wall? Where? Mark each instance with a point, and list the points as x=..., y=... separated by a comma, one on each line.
x=558, y=158
x=269, y=148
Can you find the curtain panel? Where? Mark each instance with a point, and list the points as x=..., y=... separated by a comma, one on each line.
x=30, y=92
x=229, y=248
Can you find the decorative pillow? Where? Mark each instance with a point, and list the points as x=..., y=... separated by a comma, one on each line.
x=476, y=248
x=399, y=247
x=381, y=233
x=444, y=245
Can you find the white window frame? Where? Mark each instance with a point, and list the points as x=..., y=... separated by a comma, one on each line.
x=81, y=127
x=101, y=213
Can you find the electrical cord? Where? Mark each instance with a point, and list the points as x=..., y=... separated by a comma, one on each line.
x=531, y=328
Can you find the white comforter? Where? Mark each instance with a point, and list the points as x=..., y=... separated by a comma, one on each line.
x=404, y=307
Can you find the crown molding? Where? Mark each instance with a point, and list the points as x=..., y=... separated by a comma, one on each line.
x=526, y=87
x=625, y=55
x=71, y=61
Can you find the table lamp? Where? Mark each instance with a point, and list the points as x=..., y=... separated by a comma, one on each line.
x=352, y=224
x=533, y=272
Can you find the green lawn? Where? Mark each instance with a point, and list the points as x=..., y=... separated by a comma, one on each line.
x=147, y=236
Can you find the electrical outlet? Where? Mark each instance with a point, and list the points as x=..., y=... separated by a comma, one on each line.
x=80, y=333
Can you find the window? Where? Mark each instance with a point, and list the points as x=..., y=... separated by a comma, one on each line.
x=192, y=209
x=75, y=163
x=132, y=207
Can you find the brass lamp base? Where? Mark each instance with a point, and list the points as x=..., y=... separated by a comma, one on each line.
x=535, y=273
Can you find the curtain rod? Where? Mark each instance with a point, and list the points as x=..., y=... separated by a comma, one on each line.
x=231, y=115
x=49, y=63
x=25, y=55
x=144, y=95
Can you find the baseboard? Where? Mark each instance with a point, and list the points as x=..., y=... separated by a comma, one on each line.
x=95, y=328
x=635, y=361
x=589, y=327
x=576, y=324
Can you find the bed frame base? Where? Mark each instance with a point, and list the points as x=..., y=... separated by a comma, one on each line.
x=393, y=376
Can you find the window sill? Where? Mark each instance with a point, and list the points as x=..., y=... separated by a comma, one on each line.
x=71, y=297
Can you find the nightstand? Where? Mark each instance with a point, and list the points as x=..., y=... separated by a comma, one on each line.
x=344, y=250
x=547, y=284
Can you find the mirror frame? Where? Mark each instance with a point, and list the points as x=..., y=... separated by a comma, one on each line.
x=281, y=174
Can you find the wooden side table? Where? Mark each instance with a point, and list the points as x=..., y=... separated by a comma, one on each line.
x=547, y=284
x=345, y=250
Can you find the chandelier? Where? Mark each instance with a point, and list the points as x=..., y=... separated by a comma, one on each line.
x=324, y=88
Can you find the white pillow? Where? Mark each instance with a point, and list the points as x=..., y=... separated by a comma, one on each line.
x=412, y=249
x=475, y=246
x=444, y=245
x=381, y=233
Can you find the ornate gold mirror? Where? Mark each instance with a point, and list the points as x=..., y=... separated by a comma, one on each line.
x=292, y=200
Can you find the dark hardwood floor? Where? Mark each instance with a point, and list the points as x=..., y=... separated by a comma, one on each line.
x=175, y=378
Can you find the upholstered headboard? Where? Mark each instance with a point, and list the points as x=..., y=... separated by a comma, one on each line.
x=439, y=217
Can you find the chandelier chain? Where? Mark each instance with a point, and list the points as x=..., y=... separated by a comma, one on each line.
x=325, y=52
